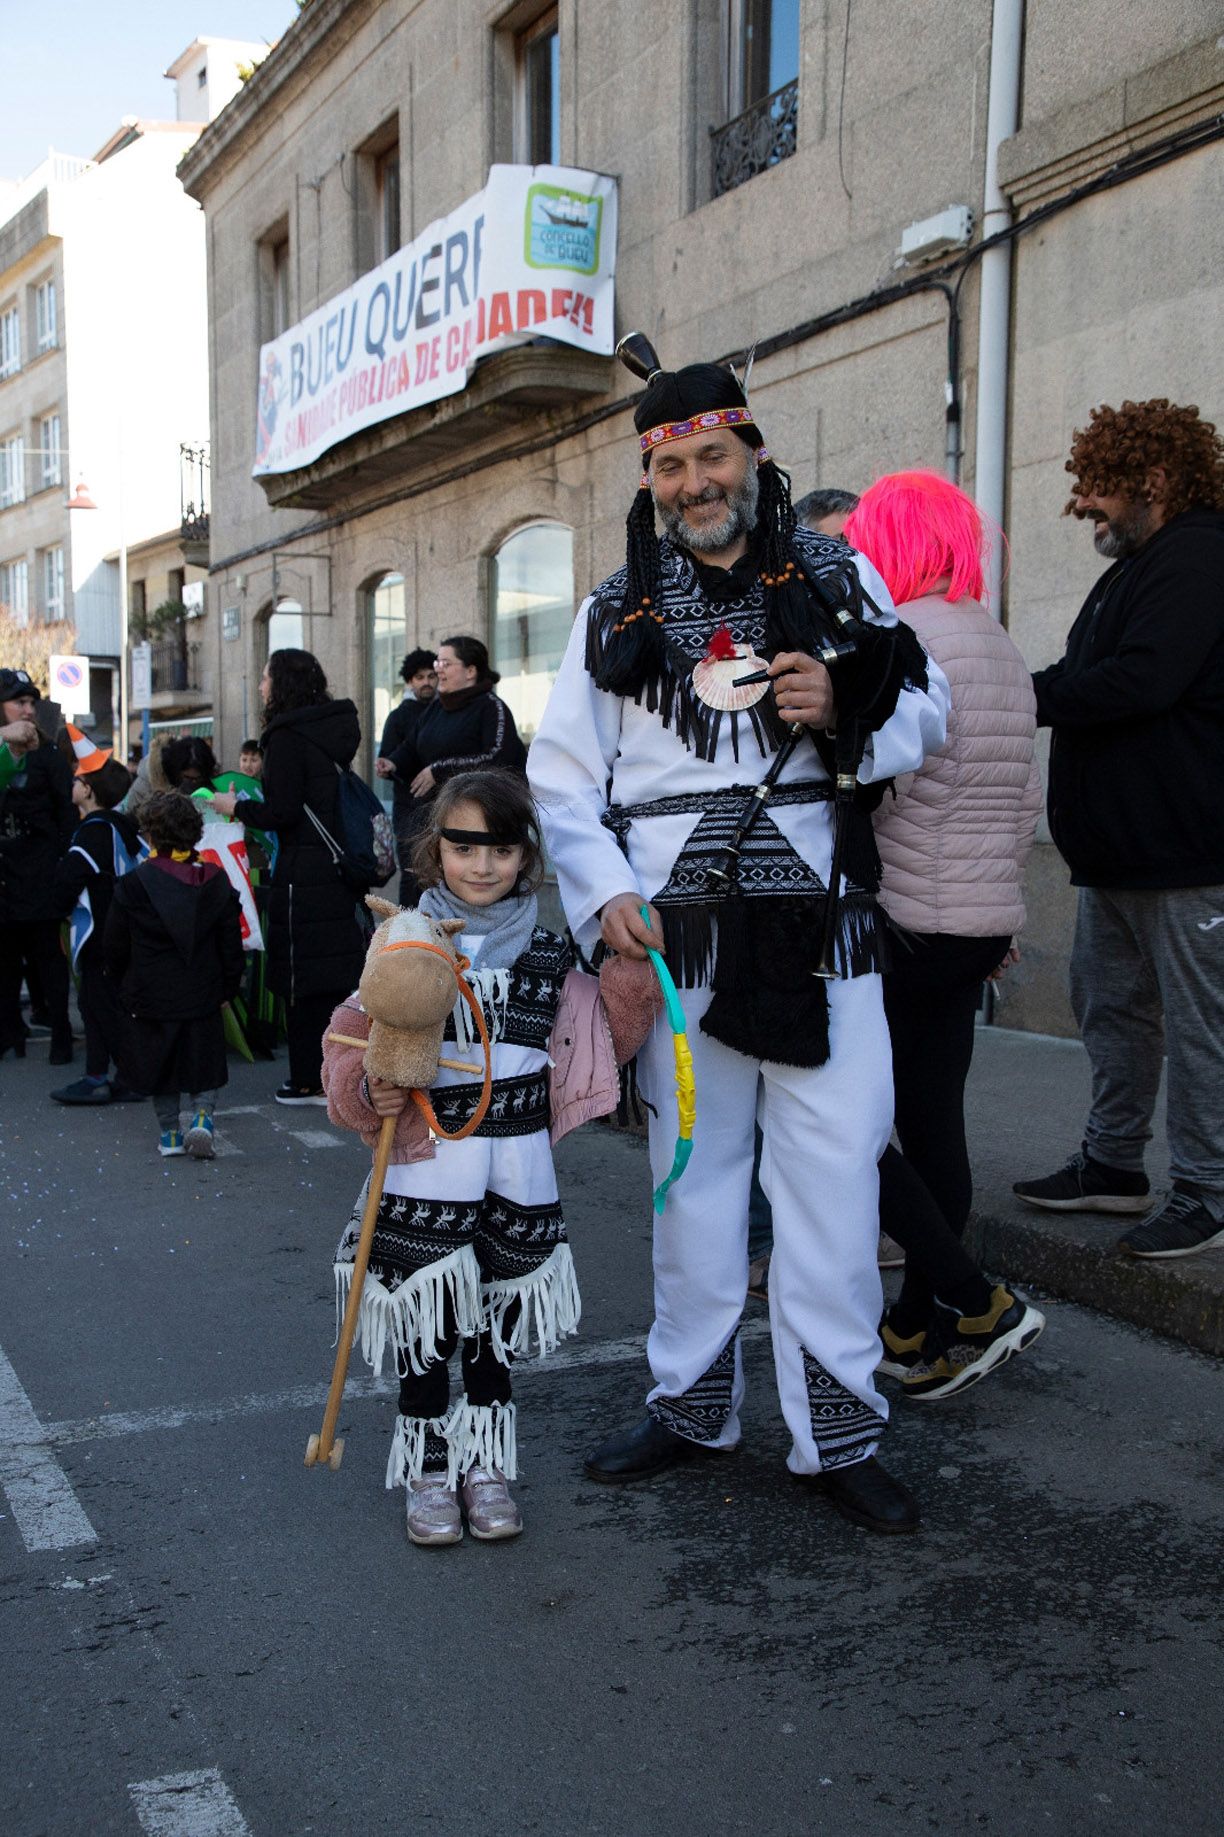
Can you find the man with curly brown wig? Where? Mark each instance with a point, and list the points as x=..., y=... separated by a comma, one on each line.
x=1136, y=802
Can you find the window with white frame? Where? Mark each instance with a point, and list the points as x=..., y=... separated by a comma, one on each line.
x=12, y=470
x=46, y=323
x=532, y=607
x=15, y=590
x=53, y=583
x=10, y=341
x=49, y=451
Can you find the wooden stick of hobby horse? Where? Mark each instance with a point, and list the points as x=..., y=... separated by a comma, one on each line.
x=322, y=1447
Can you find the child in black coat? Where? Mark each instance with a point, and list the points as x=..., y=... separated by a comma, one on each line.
x=105, y=846
x=173, y=944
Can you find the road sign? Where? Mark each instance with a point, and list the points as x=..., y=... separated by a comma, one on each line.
x=231, y=622
x=142, y=675
x=70, y=683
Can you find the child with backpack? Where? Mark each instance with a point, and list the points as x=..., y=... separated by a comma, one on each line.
x=173, y=946
x=104, y=848
x=470, y=1250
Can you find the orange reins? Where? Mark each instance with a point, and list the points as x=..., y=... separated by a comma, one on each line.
x=457, y=964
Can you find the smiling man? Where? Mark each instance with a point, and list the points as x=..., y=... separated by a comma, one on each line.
x=1135, y=799
x=647, y=756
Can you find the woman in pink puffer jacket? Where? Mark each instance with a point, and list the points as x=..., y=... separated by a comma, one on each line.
x=953, y=843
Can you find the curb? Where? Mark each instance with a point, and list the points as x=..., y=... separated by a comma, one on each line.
x=1182, y=1298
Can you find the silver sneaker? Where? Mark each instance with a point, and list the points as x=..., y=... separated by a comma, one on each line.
x=491, y=1512
x=433, y=1511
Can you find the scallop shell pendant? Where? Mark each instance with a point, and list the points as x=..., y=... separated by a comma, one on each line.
x=714, y=679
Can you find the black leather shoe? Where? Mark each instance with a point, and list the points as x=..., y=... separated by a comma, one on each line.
x=645, y=1449
x=868, y=1496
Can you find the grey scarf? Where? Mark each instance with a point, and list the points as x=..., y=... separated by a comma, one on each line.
x=505, y=927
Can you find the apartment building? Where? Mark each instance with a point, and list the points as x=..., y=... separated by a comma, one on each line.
x=818, y=178
x=103, y=377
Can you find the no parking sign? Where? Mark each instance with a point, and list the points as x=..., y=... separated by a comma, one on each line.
x=70, y=683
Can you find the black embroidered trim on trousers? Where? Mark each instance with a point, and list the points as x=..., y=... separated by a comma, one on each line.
x=701, y=1414
x=843, y=1427
x=518, y=1106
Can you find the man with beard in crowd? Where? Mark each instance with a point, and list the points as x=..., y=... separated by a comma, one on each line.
x=647, y=755
x=1136, y=792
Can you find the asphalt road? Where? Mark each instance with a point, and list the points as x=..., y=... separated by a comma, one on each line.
x=202, y=1638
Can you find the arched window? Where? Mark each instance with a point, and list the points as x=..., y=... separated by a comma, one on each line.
x=283, y=627
x=531, y=615
x=386, y=626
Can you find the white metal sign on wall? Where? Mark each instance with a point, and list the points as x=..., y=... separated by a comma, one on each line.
x=69, y=683
x=533, y=254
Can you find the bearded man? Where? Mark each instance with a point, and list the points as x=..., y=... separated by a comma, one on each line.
x=650, y=749
x=1136, y=797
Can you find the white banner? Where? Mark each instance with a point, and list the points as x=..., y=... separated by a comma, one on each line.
x=142, y=675
x=532, y=255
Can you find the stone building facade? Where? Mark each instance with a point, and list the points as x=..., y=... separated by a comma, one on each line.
x=774, y=159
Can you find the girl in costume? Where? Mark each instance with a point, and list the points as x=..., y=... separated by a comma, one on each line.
x=470, y=1250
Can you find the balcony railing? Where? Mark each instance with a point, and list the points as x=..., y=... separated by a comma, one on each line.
x=194, y=479
x=176, y=666
x=756, y=140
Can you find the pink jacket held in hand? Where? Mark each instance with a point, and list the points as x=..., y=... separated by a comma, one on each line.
x=955, y=841
x=600, y=1025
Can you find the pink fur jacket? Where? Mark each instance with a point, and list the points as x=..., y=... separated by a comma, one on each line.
x=600, y=1024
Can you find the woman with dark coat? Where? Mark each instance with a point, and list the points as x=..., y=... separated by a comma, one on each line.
x=37, y=819
x=317, y=926
x=464, y=728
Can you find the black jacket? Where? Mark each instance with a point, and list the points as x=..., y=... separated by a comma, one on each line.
x=396, y=729
x=1137, y=707
x=37, y=820
x=316, y=925
x=476, y=733
x=173, y=950
x=90, y=862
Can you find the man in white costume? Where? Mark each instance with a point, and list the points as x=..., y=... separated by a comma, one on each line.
x=646, y=760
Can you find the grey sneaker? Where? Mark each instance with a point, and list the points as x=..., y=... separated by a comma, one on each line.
x=491, y=1512
x=433, y=1511
x=1176, y=1228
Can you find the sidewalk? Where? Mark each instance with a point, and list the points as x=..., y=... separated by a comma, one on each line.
x=1027, y=1099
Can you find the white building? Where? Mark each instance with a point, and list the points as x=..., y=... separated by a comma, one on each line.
x=103, y=362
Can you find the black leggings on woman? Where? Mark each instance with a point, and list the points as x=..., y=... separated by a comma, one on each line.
x=931, y=999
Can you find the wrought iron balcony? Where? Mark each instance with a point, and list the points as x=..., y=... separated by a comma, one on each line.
x=194, y=464
x=756, y=140
x=176, y=666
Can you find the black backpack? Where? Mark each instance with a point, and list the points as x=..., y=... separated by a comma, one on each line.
x=364, y=851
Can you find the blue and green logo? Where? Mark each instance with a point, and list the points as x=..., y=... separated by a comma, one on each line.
x=561, y=229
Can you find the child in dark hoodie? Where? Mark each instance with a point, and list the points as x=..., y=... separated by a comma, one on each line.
x=173, y=944
x=104, y=847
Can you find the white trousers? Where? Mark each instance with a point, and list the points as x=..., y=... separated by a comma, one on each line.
x=824, y=1131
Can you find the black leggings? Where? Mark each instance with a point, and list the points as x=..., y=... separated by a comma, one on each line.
x=105, y=1020
x=931, y=998
x=485, y=1379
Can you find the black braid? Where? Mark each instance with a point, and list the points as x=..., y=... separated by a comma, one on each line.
x=625, y=647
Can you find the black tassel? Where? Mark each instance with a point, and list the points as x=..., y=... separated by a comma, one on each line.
x=768, y=1002
x=688, y=943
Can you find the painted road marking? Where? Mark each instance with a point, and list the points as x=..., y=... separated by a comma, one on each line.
x=268, y=1113
x=309, y=1396
x=47, y=1511
x=188, y=1805
x=316, y=1138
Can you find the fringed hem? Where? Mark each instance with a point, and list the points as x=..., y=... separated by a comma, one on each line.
x=480, y=1435
x=412, y=1317
x=406, y=1461
x=551, y=1307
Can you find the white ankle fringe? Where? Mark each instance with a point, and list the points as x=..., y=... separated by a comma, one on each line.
x=412, y=1317
x=551, y=1305
x=476, y=1435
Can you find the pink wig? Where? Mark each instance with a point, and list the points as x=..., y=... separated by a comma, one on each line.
x=917, y=528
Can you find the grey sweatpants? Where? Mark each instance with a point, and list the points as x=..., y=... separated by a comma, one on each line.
x=1147, y=977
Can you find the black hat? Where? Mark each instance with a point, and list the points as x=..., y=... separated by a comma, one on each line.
x=674, y=398
x=16, y=683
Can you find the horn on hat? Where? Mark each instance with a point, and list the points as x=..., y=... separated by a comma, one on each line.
x=639, y=356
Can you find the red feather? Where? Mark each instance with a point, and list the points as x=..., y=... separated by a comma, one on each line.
x=721, y=648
